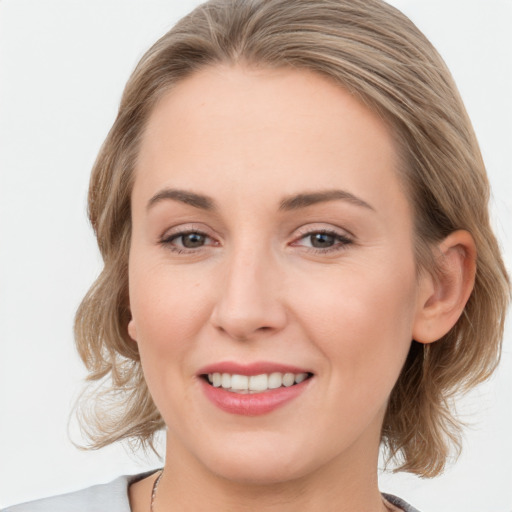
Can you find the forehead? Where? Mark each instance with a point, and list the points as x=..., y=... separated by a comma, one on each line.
x=290, y=130
x=222, y=99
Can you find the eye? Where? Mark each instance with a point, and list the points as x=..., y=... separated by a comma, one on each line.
x=192, y=240
x=323, y=241
x=187, y=241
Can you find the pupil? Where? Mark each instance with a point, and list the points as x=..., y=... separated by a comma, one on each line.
x=321, y=240
x=192, y=240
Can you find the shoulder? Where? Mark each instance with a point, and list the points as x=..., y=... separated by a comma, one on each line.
x=110, y=497
x=400, y=503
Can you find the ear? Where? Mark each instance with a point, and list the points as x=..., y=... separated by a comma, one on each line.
x=132, y=329
x=443, y=296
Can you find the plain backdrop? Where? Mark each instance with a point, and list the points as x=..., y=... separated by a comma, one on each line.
x=63, y=65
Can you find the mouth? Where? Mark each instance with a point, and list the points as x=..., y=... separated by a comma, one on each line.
x=253, y=389
x=253, y=384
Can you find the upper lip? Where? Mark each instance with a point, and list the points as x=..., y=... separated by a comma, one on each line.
x=256, y=368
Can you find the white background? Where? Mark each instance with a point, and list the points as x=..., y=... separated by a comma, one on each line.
x=63, y=64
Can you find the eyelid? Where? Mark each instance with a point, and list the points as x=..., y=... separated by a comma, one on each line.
x=167, y=239
x=312, y=228
x=182, y=229
x=343, y=238
x=180, y=234
x=334, y=234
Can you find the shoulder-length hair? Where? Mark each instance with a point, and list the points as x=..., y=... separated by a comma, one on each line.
x=377, y=54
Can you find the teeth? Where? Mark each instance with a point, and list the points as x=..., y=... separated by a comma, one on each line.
x=288, y=379
x=275, y=380
x=226, y=381
x=258, y=382
x=255, y=383
x=216, y=380
x=300, y=377
x=238, y=381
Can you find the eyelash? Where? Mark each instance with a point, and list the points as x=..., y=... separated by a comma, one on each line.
x=340, y=241
x=168, y=241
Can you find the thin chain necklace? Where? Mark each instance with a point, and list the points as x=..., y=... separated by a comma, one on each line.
x=155, y=487
x=157, y=481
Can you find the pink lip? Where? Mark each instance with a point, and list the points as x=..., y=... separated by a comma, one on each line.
x=256, y=368
x=251, y=404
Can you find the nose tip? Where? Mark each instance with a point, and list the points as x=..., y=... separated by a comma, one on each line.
x=249, y=303
x=251, y=315
x=243, y=327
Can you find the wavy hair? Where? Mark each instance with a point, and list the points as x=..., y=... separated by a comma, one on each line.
x=377, y=54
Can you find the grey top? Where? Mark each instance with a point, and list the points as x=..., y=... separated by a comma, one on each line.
x=113, y=497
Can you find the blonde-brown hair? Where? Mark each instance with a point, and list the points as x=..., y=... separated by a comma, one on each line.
x=376, y=53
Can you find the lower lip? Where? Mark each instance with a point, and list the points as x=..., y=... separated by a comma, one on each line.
x=252, y=404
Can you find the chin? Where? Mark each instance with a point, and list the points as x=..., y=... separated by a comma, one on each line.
x=260, y=473
x=259, y=463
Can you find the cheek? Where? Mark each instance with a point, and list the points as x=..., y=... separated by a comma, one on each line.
x=166, y=313
x=165, y=302
x=361, y=321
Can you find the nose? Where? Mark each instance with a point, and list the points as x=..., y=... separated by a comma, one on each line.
x=250, y=297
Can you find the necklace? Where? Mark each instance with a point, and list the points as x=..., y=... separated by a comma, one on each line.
x=155, y=487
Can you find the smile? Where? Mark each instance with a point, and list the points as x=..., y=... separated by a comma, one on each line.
x=253, y=389
x=245, y=384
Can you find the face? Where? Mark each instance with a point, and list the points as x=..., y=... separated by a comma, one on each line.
x=271, y=236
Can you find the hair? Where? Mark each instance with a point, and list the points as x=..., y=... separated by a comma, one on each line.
x=377, y=54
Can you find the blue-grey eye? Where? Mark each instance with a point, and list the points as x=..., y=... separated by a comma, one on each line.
x=322, y=240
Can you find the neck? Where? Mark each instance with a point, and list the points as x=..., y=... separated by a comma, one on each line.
x=349, y=484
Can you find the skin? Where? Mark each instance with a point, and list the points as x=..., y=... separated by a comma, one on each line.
x=255, y=287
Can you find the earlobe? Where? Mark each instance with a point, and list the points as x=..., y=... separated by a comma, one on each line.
x=132, y=329
x=443, y=296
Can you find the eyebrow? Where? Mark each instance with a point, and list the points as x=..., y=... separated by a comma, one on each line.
x=298, y=201
x=183, y=196
x=294, y=202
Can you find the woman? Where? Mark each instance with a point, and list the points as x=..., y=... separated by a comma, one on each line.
x=299, y=268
